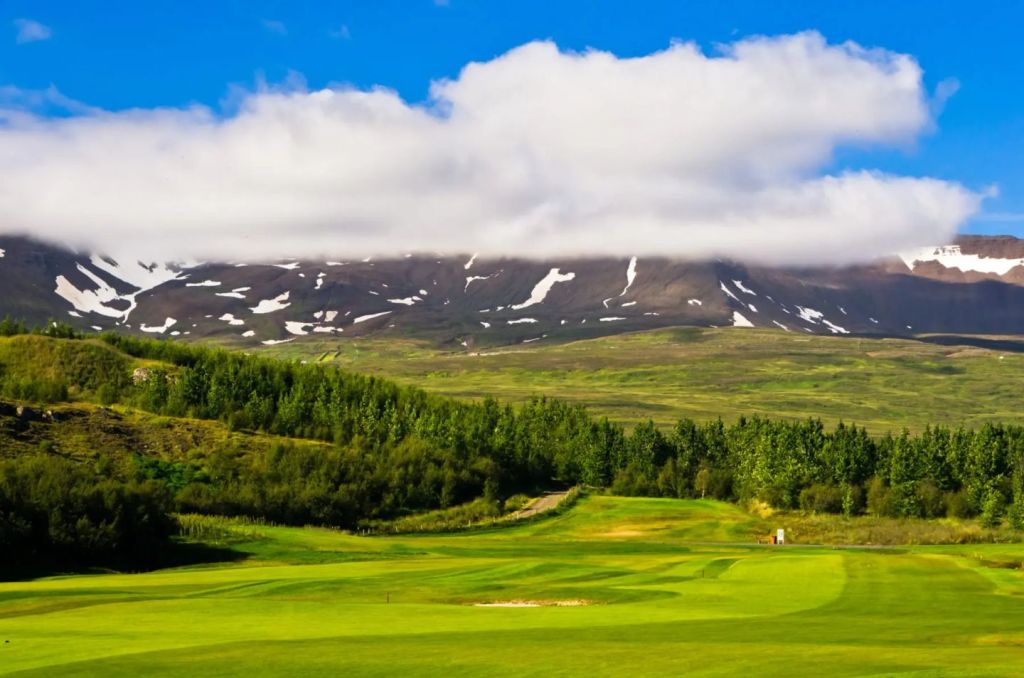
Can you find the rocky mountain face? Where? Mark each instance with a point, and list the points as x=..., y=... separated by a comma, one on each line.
x=975, y=285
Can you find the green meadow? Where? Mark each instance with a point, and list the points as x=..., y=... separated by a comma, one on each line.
x=883, y=384
x=619, y=586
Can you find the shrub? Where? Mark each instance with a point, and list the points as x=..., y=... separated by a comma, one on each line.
x=958, y=505
x=879, y=502
x=822, y=499
x=992, y=508
x=930, y=500
x=1015, y=513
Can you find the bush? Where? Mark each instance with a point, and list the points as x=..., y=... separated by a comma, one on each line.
x=930, y=500
x=822, y=499
x=516, y=502
x=992, y=508
x=853, y=500
x=958, y=505
x=879, y=500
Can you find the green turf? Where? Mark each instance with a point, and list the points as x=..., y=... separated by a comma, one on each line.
x=665, y=599
x=883, y=384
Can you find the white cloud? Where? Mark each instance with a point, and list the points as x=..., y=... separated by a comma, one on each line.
x=341, y=32
x=31, y=31
x=275, y=26
x=537, y=152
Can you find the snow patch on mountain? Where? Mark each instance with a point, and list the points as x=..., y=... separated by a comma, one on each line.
x=809, y=314
x=742, y=288
x=275, y=342
x=270, y=305
x=471, y=278
x=520, y=321
x=728, y=291
x=611, y=319
x=159, y=329
x=833, y=328
x=297, y=328
x=469, y=264
x=778, y=324
x=235, y=293
x=290, y=266
x=406, y=301
x=90, y=301
x=630, y=276
x=694, y=302
x=364, y=318
x=230, y=319
x=205, y=283
x=739, y=321
x=951, y=256
x=816, y=317
x=541, y=289
x=139, y=275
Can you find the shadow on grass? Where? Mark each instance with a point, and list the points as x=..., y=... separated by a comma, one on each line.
x=993, y=344
x=175, y=554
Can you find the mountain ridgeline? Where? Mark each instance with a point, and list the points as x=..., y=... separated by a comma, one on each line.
x=345, y=449
x=975, y=285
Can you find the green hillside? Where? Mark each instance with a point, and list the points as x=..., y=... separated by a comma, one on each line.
x=664, y=375
x=168, y=427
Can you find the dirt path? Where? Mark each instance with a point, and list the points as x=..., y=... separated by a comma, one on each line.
x=546, y=502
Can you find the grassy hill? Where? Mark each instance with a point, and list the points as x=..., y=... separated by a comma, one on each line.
x=642, y=583
x=883, y=384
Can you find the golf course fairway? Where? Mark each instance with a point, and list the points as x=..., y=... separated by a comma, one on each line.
x=612, y=586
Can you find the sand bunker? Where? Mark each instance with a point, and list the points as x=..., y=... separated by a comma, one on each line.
x=534, y=603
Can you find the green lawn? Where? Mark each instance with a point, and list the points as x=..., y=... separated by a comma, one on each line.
x=673, y=587
x=884, y=384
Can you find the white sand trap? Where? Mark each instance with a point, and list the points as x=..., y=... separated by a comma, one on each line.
x=534, y=603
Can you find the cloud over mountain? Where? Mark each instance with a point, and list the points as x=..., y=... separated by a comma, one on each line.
x=538, y=152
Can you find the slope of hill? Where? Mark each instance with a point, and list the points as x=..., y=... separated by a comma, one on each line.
x=974, y=286
x=884, y=383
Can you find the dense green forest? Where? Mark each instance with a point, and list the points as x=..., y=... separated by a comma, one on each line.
x=397, y=450
x=53, y=511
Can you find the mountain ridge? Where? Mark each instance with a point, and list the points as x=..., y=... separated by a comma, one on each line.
x=973, y=285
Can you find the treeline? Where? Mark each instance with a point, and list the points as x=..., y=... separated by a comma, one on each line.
x=940, y=472
x=59, y=330
x=393, y=450
x=54, y=512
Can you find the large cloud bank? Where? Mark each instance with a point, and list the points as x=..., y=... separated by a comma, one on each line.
x=538, y=152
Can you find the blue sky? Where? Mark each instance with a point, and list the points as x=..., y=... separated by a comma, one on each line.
x=117, y=55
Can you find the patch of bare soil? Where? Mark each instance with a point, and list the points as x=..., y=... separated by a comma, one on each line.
x=545, y=503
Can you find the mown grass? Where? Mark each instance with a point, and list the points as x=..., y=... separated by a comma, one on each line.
x=884, y=384
x=664, y=599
